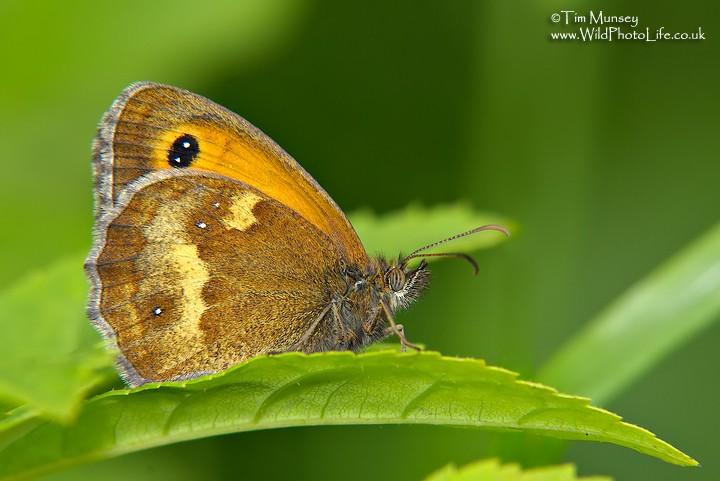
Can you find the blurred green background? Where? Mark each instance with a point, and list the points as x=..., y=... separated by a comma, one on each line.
x=605, y=154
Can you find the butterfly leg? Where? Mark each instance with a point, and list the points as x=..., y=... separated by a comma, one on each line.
x=404, y=343
x=397, y=329
x=299, y=345
x=345, y=335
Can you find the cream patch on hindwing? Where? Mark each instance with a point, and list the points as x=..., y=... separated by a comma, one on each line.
x=240, y=211
x=171, y=253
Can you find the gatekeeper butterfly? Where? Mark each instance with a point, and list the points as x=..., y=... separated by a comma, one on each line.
x=213, y=245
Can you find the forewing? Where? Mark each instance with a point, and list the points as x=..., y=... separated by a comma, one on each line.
x=194, y=272
x=140, y=134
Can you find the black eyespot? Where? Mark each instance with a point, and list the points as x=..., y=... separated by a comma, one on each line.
x=183, y=151
x=157, y=311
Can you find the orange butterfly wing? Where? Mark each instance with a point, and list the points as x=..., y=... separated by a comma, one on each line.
x=139, y=133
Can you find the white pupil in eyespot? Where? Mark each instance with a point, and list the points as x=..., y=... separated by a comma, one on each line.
x=183, y=152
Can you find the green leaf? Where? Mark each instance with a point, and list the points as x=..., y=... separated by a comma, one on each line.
x=407, y=229
x=294, y=389
x=51, y=356
x=660, y=313
x=15, y=423
x=492, y=470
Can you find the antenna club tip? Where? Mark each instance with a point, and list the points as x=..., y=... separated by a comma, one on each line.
x=497, y=228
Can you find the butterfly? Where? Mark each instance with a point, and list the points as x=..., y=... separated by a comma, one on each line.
x=212, y=245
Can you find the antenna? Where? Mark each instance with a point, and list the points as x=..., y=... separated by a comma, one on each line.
x=417, y=252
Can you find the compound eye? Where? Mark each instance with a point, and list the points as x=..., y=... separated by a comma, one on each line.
x=395, y=279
